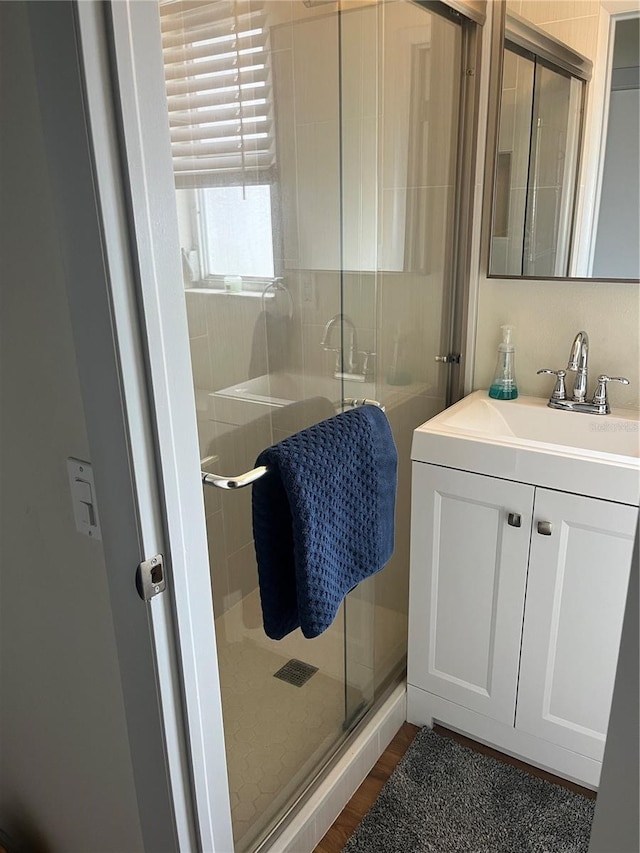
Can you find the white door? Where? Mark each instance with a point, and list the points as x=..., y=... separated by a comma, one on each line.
x=467, y=582
x=576, y=593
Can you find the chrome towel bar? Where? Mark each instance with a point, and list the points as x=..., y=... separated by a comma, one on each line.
x=249, y=477
x=359, y=401
x=233, y=482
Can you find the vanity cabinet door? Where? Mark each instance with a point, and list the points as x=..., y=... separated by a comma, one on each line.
x=467, y=583
x=576, y=590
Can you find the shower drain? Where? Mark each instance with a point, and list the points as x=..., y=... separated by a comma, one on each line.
x=295, y=672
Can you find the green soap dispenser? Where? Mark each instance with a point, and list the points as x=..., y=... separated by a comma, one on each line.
x=504, y=385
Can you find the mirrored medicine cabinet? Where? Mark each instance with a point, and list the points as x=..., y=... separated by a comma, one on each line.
x=564, y=159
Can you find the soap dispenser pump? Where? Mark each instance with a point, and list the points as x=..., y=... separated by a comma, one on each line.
x=504, y=385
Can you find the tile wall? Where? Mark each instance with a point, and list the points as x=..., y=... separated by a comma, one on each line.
x=399, y=315
x=574, y=22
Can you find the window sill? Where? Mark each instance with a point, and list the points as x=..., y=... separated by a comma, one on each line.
x=217, y=291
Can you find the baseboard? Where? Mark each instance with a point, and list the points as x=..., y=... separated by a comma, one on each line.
x=423, y=709
x=307, y=827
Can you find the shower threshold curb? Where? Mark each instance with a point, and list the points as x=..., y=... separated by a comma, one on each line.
x=309, y=823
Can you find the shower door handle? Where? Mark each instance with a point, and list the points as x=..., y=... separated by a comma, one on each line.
x=238, y=482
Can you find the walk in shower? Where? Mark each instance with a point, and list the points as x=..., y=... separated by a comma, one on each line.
x=316, y=158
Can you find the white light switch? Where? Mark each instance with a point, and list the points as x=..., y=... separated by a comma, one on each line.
x=82, y=491
x=84, y=514
x=83, y=497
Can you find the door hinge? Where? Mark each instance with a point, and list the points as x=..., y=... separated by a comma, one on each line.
x=452, y=358
x=150, y=577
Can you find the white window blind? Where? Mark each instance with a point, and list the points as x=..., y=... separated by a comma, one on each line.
x=218, y=82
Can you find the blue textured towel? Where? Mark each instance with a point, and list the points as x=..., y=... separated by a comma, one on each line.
x=323, y=518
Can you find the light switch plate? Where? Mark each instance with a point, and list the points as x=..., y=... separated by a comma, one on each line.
x=83, y=498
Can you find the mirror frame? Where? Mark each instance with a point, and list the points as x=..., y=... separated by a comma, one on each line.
x=589, y=179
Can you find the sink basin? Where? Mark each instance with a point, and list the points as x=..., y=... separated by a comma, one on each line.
x=525, y=440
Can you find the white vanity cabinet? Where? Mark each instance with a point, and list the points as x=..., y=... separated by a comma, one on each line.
x=467, y=587
x=576, y=593
x=517, y=597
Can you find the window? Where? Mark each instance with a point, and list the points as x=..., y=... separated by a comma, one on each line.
x=219, y=95
x=237, y=236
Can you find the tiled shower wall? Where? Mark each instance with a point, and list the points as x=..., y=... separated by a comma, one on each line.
x=222, y=327
x=574, y=22
x=349, y=197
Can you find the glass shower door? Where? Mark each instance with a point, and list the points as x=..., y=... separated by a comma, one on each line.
x=315, y=164
x=254, y=109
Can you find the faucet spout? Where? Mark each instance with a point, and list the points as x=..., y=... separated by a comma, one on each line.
x=579, y=352
x=578, y=364
x=352, y=360
x=324, y=343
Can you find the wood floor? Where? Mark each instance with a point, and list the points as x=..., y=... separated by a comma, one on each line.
x=367, y=793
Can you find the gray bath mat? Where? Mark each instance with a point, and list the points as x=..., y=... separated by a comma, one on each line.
x=445, y=798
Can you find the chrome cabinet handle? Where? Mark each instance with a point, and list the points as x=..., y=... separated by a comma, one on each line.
x=514, y=519
x=545, y=528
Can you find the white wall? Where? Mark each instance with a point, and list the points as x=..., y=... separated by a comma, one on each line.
x=66, y=779
x=546, y=316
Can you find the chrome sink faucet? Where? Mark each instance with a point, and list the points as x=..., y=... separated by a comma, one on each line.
x=579, y=364
x=353, y=369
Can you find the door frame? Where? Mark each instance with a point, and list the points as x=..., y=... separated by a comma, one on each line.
x=130, y=335
x=191, y=701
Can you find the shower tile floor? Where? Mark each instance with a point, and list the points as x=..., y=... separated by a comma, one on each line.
x=274, y=731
